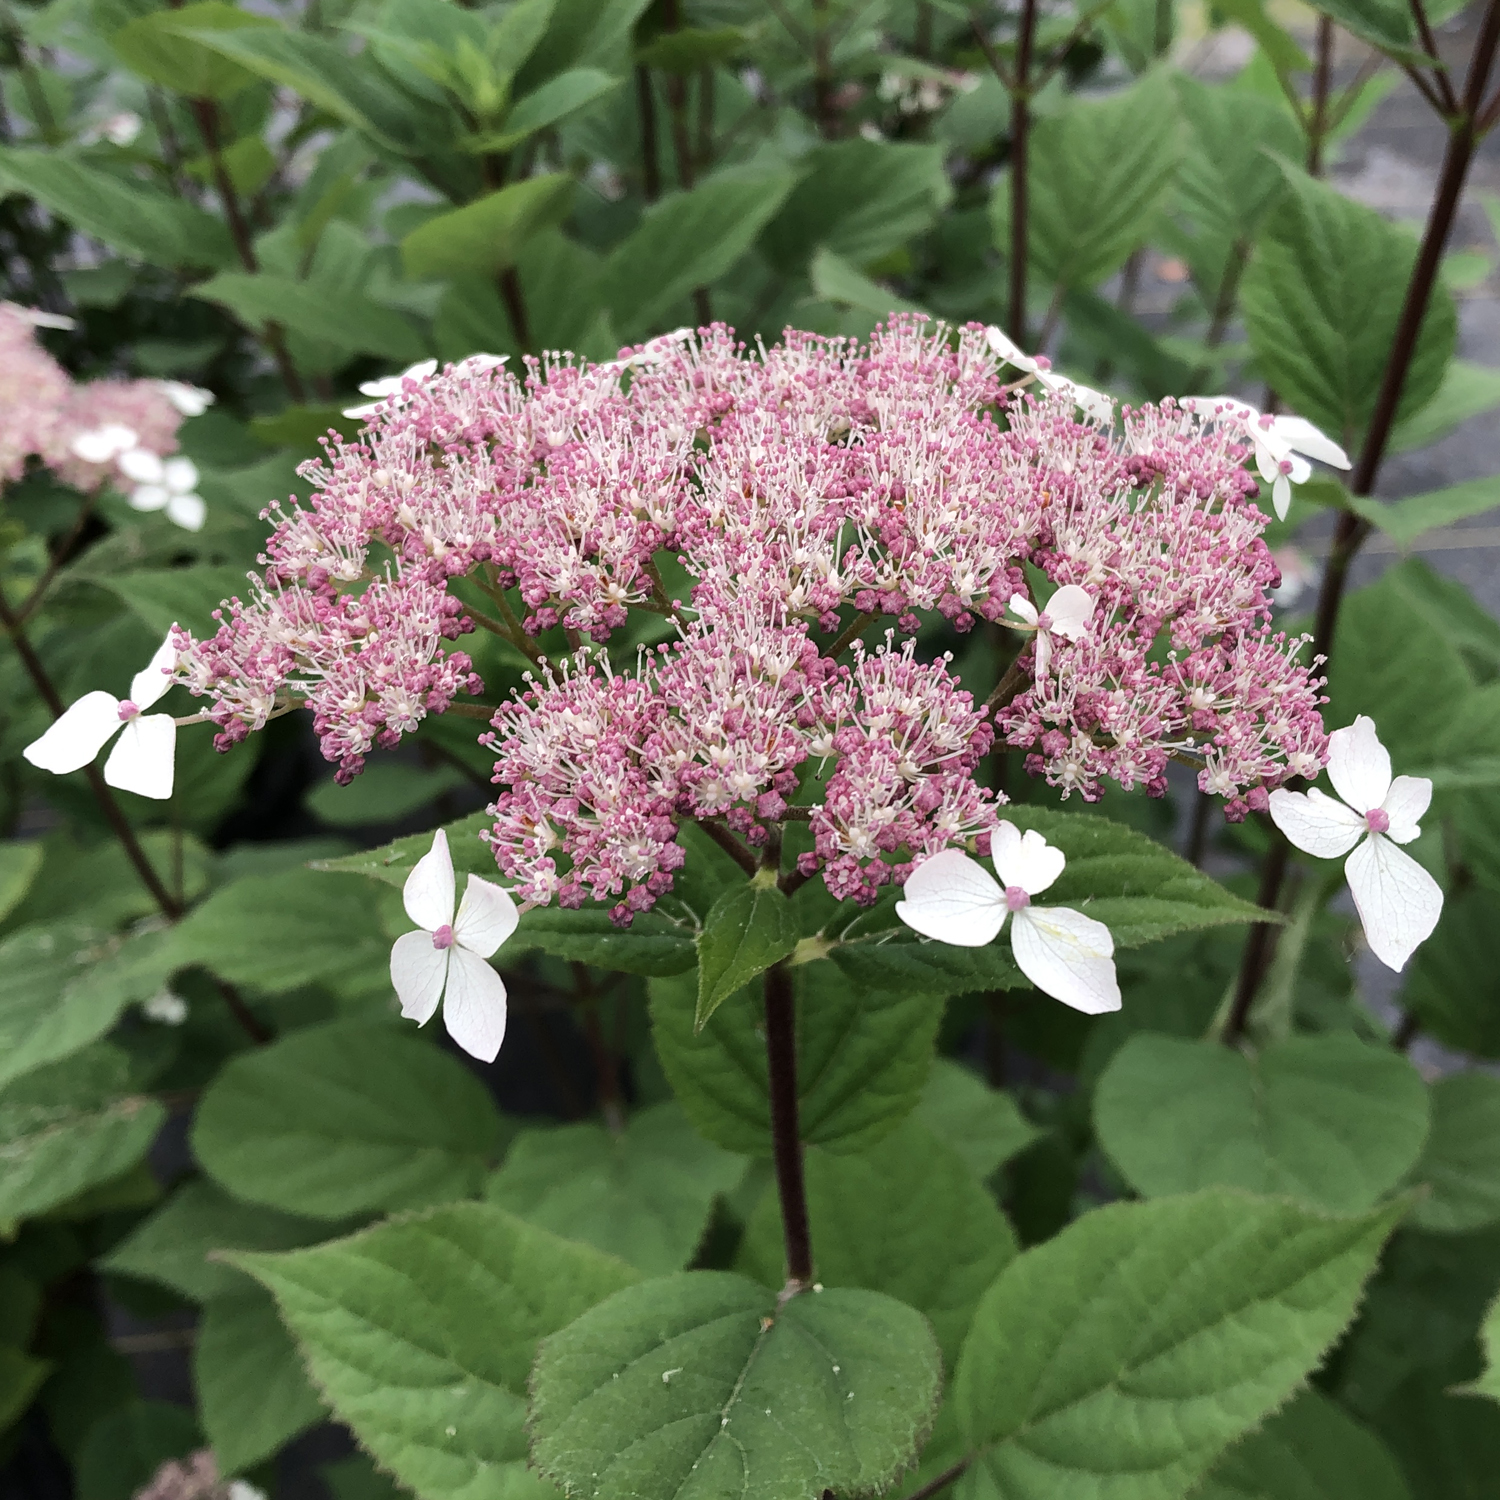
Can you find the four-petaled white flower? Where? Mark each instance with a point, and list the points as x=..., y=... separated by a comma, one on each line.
x=39, y=319
x=446, y=960
x=104, y=444
x=1095, y=403
x=141, y=761
x=1067, y=614
x=190, y=400
x=390, y=386
x=1398, y=902
x=1065, y=954
x=165, y=484
x=1279, y=444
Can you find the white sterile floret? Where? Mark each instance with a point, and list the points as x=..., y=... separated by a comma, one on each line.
x=1279, y=444
x=141, y=761
x=1067, y=614
x=953, y=899
x=165, y=484
x=1398, y=902
x=102, y=445
x=190, y=400
x=446, y=959
x=1095, y=404
x=390, y=385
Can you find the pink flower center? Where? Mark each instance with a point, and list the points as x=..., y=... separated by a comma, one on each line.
x=443, y=937
x=128, y=711
x=1377, y=820
x=1016, y=899
x=1043, y=621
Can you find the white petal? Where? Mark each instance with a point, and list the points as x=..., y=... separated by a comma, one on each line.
x=1008, y=352
x=78, y=736
x=149, y=497
x=181, y=475
x=1023, y=609
x=388, y=385
x=474, y=1007
x=486, y=916
x=141, y=761
x=418, y=971
x=1227, y=408
x=187, y=511
x=1281, y=496
x=141, y=465
x=360, y=412
x=951, y=898
x=1043, y=653
x=190, y=400
x=152, y=683
x=1315, y=823
x=1408, y=798
x=1070, y=610
x=1068, y=956
x=1026, y=860
x=1298, y=470
x=428, y=892
x=1358, y=765
x=479, y=364
x=101, y=445
x=1299, y=433
x=1399, y=903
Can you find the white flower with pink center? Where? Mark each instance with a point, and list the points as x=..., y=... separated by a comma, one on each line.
x=141, y=761
x=1398, y=902
x=447, y=959
x=953, y=899
x=1067, y=613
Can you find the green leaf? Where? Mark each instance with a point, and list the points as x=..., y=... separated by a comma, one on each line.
x=1329, y=1120
x=172, y=1246
x=689, y=48
x=1310, y=1450
x=351, y=89
x=1400, y=668
x=749, y=928
x=1119, y=1358
x=1488, y=1384
x=653, y=944
x=280, y=932
x=906, y=1217
x=982, y=1124
x=252, y=1393
x=68, y=1127
x=1385, y=23
x=393, y=862
x=66, y=985
x=1140, y=890
x=554, y=101
x=19, y=866
x=335, y=315
x=155, y=47
x=164, y=597
x=1100, y=170
x=421, y=1331
x=486, y=236
x=1461, y=1163
x=1321, y=313
x=125, y=214
x=384, y=792
x=1467, y=390
x=1449, y=987
x=583, y=33
x=835, y=280
x=699, y=1384
x=1405, y=520
x=863, y=1059
x=1445, y=604
x=859, y=199
x=125, y=1448
x=21, y=1377
x=346, y=1119
x=1276, y=45
x=687, y=240
x=643, y=1195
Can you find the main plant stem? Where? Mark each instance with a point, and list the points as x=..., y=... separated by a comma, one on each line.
x=1317, y=125
x=1020, y=132
x=1464, y=132
x=786, y=1141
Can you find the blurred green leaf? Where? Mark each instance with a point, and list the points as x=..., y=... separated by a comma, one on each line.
x=160, y=47
x=486, y=236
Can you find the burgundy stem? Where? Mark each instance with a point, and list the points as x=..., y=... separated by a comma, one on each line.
x=781, y=1062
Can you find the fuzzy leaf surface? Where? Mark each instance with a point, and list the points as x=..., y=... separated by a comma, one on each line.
x=1461, y=1163
x=1122, y=1356
x=749, y=928
x=696, y=1386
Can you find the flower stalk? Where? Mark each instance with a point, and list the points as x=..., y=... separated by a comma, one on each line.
x=786, y=1138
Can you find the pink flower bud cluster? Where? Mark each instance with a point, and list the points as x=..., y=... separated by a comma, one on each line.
x=802, y=492
x=43, y=412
